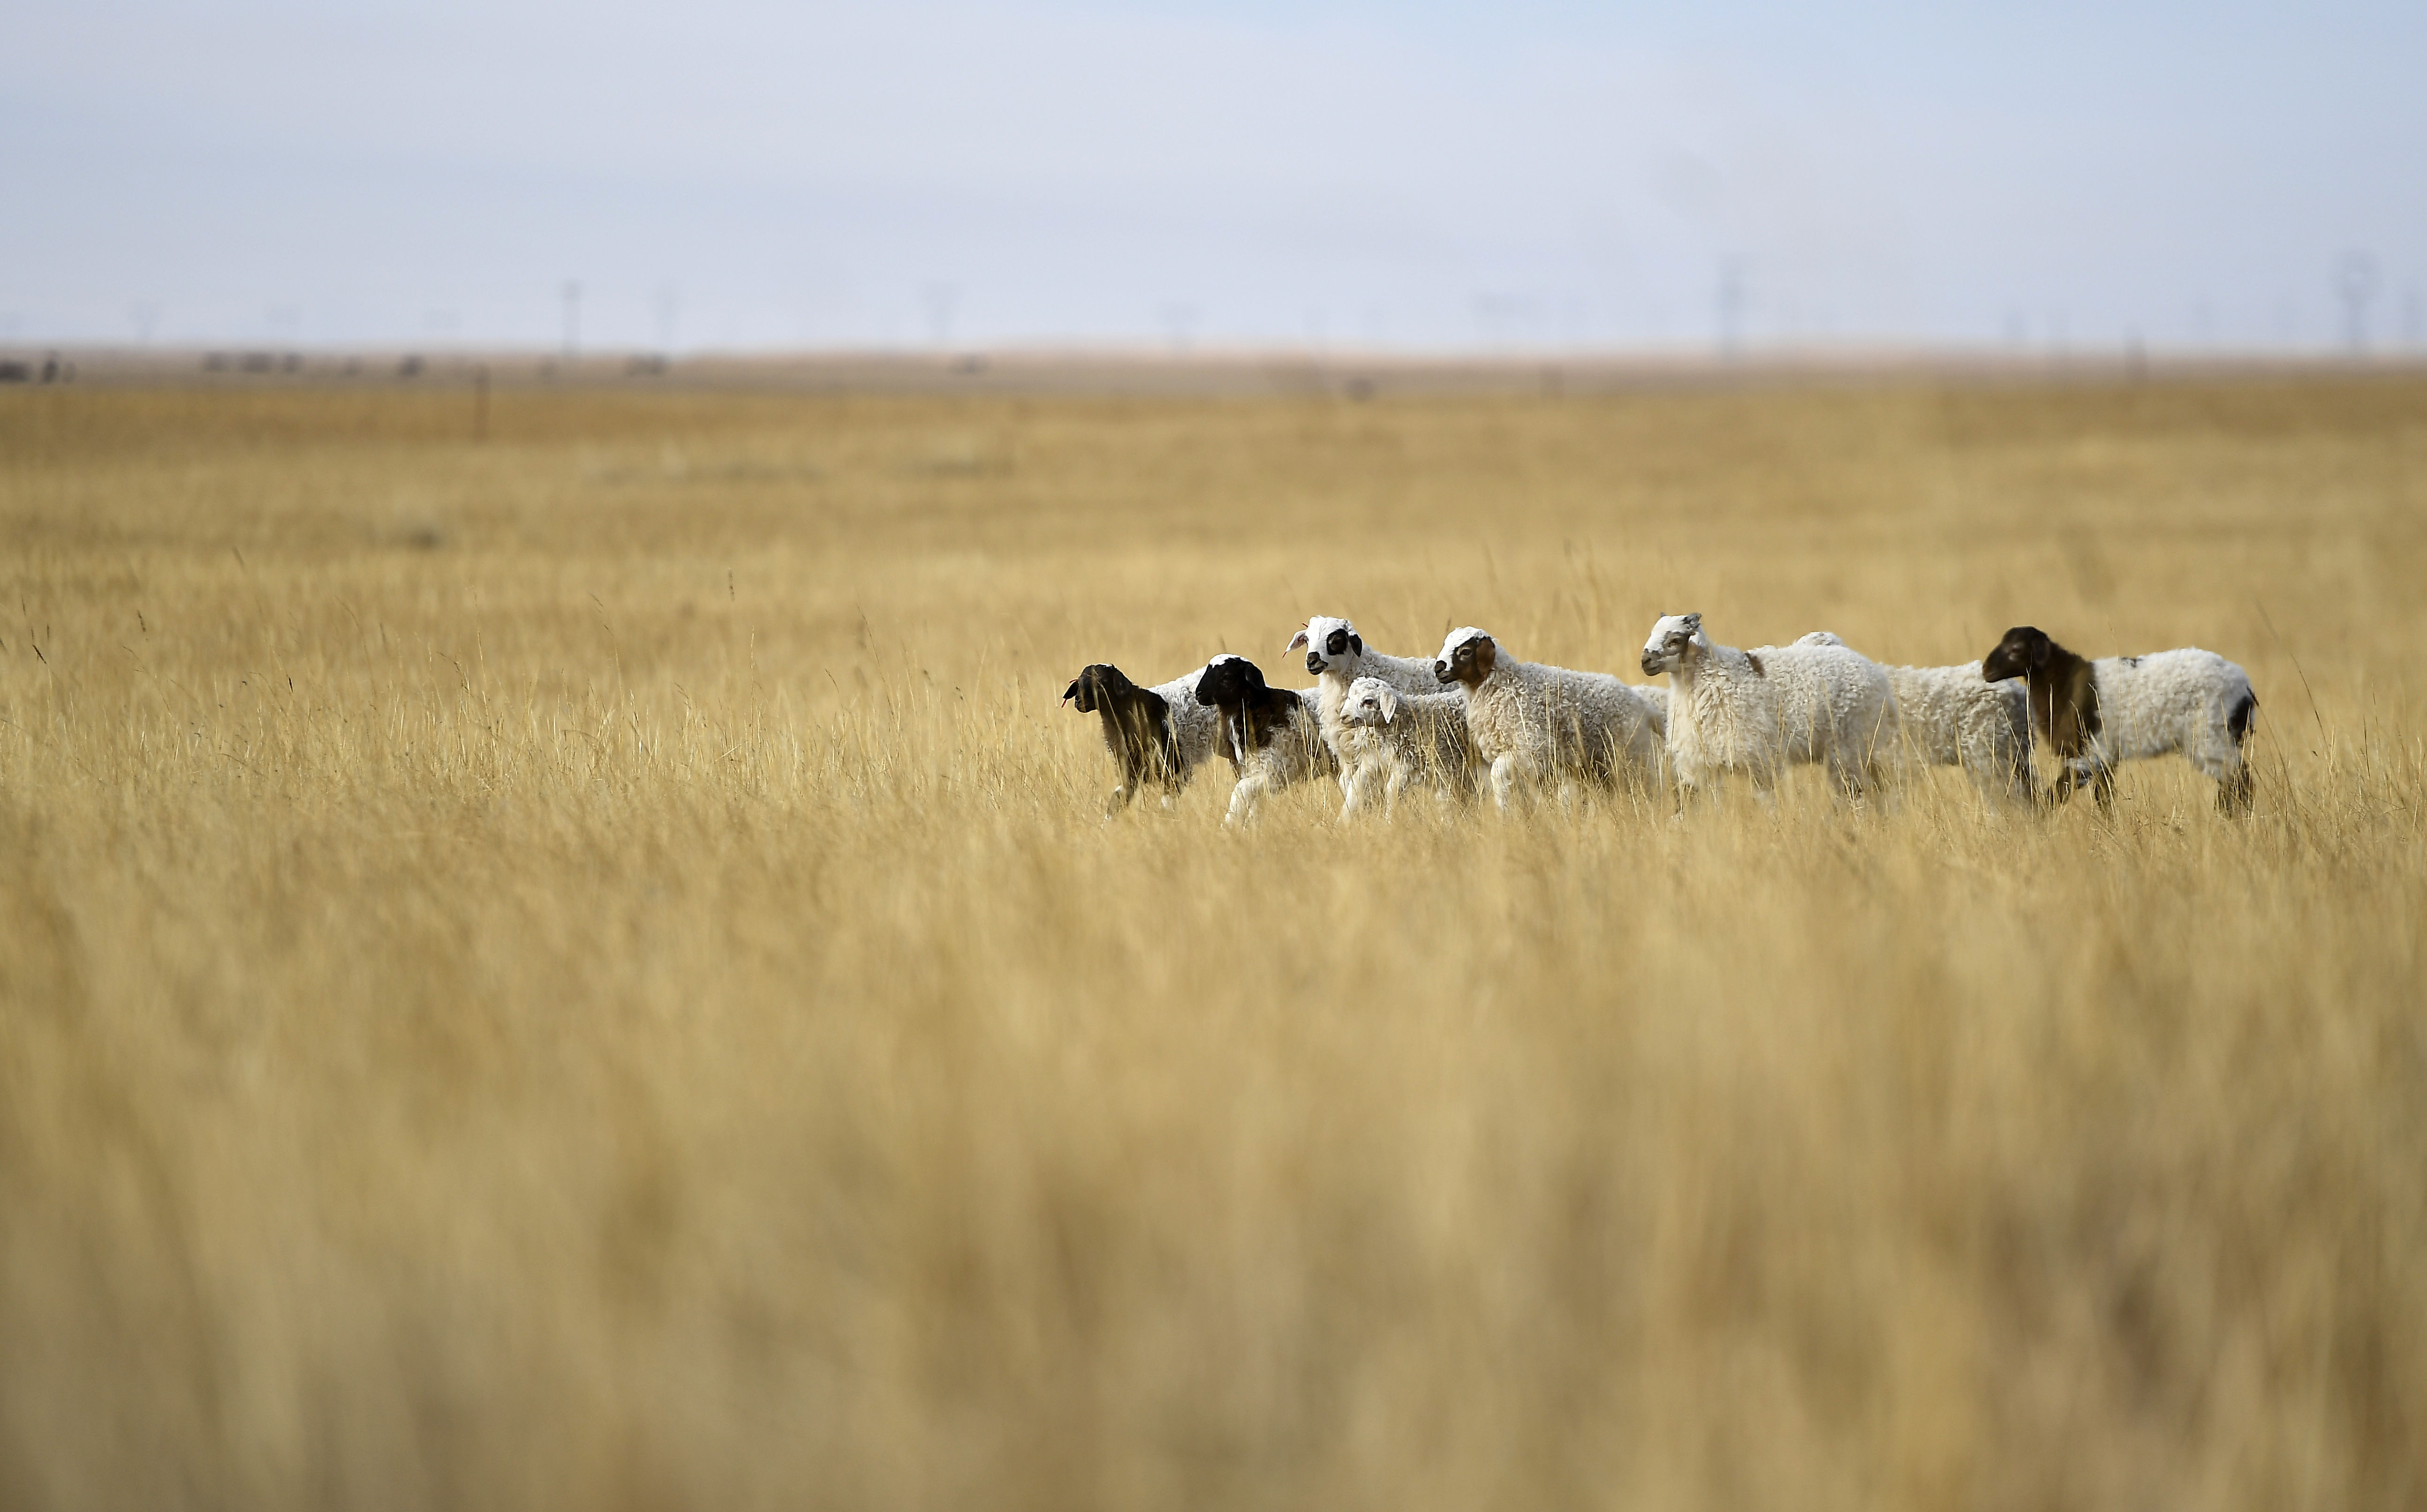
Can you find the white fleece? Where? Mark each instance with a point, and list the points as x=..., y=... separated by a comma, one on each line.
x=1950, y=718
x=1394, y=740
x=1335, y=670
x=1294, y=754
x=1194, y=725
x=1761, y=711
x=1537, y=724
x=2166, y=701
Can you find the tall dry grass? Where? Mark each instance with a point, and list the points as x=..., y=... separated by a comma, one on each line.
x=585, y=969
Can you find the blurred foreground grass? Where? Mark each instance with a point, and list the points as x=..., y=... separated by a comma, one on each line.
x=584, y=969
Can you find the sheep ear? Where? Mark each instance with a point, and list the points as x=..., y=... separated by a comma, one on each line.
x=1356, y=642
x=1297, y=642
x=1694, y=623
x=1389, y=704
x=1071, y=693
x=2040, y=653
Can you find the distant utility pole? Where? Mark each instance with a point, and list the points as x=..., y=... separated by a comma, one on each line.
x=940, y=298
x=1179, y=323
x=1732, y=306
x=572, y=317
x=669, y=304
x=2355, y=281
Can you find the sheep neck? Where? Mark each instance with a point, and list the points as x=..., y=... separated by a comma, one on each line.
x=2065, y=701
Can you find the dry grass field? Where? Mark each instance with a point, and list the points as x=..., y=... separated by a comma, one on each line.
x=585, y=968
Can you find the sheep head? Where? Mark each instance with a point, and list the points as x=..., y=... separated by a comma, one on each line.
x=1672, y=637
x=1330, y=645
x=1371, y=702
x=2026, y=649
x=1467, y=657
x=1229, y=682
x=1099, y=685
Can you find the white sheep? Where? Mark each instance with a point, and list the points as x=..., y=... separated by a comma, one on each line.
x=1394, y=740
x=2125, y=709
x=1271, y=735
x=1157, y=734
x=1953, y=717
x=1536, y=724
x=1338, y=655
x=1762, y=710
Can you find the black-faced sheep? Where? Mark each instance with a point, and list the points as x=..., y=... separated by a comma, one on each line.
x=2094, y=714
x=1156, y=735
x=1270, y=735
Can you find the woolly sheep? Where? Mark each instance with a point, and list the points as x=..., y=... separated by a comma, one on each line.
x=1533, y=723
x=1156, y=735
x=1759, y=711
x=1953, y=717
x=1270, y=735
x=2125, y=709
x=1397, y=739
x=1338, y=655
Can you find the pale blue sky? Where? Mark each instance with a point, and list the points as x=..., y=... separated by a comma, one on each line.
x=743, y=174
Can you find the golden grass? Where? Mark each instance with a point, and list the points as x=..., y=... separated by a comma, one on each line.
x=585, y=969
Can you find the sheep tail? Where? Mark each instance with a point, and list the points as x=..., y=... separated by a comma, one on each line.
x=2238, y=723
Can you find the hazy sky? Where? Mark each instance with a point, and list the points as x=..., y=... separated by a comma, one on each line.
x=732, y=173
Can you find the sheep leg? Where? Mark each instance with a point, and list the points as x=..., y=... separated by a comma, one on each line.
x=1352, y=787
x=1693, y=780
x=1505, y=773
x=1764, y=785
x=1245, y=795
x=1845, y=776
x=2102, y=785
x=2235, y=792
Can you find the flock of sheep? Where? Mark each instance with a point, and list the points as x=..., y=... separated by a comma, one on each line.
x=1477, y=716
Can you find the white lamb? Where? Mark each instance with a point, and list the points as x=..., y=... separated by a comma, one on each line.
x=1338, y=655
x=1395, y=741
x=1534, y=724
x=1762, y=710
x=1953, y=717
x=2125, y=709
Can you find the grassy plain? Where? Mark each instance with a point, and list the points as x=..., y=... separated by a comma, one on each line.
x=584, y=968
